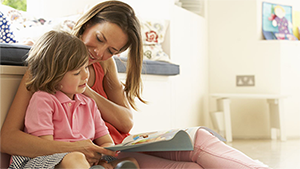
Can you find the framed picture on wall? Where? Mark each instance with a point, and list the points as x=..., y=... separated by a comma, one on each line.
x=277, y=22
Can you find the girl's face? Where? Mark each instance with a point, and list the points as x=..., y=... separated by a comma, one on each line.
x=75, y=81
x=103, y=40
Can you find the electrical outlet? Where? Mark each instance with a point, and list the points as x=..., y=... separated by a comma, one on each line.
x=245, y=80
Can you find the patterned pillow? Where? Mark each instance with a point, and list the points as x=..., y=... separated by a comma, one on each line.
x=155, y=52
x=6, y=35
x=153, y=34
x=18, y=21
x=153, y=31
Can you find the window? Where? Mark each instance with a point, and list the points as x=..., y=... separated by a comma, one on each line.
x=17, y=4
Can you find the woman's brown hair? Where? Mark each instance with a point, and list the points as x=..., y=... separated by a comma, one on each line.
x=51, y=57
x=124, y=16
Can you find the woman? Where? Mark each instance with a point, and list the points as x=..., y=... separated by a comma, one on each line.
x=107, y=29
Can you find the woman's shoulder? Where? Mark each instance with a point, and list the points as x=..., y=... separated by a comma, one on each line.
x=108, y=65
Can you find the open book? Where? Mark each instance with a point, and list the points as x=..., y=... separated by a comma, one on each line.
x=169, y=140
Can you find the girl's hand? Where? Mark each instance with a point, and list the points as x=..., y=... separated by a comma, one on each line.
x=92, y=152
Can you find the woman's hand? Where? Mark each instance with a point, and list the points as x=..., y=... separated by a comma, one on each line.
x=92, y=152
x=116, y=111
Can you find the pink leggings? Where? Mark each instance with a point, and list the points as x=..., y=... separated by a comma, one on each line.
x=209, y=152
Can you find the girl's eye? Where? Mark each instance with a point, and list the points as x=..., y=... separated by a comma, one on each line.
x=77, y=73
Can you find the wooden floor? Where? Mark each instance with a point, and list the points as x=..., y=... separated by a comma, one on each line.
x=274, y=153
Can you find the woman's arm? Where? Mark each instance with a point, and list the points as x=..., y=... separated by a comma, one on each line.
x=116, y=110
x=15, y=141
x=104, y=141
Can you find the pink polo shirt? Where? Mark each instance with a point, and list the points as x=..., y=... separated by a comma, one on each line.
x=65, y=119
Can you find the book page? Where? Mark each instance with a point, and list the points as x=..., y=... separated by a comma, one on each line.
x=149, y=137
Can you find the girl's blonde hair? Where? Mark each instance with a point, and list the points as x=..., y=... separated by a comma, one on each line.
x=51, y=57
x=122, y=15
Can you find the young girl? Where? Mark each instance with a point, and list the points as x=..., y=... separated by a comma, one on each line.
x=58, y=67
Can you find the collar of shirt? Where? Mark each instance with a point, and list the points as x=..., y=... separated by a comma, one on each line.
x=63, y=98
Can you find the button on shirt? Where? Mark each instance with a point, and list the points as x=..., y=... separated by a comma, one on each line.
x=65, y=119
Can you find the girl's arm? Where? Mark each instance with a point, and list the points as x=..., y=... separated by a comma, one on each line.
x=116, y=109
x=15, y=141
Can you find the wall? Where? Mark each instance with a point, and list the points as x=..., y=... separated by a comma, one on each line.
x=236, y=47
x=189, y=49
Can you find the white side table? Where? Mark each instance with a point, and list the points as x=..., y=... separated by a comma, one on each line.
x=275, y=106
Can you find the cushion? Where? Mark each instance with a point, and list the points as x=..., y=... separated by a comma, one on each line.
x=153, y=34
x=24, y=26
x=6, y=35
x=15, y=54
x=150, y=67
x=153, y=30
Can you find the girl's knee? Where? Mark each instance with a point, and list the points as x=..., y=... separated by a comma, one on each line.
x=75, y=156
x=74, y=159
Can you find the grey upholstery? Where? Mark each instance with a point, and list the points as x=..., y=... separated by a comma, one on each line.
x=15, y=54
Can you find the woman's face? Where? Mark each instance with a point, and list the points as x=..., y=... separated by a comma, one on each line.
x=103, y=40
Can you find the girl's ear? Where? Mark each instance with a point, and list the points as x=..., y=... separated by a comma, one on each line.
x=59, y=87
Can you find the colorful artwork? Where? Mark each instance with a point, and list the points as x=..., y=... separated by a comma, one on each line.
x=277, y=22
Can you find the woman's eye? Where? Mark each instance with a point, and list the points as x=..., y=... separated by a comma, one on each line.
x=109, y=51
x=77, y=73
x=99, y=39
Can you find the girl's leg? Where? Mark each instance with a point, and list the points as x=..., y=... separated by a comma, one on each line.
x=210, y=152
x=74, y=160
x=146, y=161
